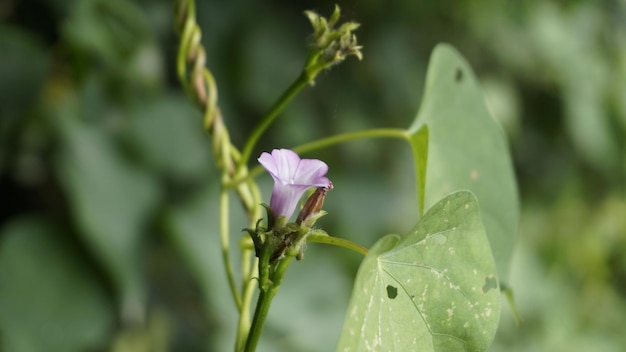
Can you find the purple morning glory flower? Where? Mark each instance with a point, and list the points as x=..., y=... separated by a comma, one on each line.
x=292, y=177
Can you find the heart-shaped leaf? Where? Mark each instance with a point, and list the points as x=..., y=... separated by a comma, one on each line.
x=458, y=145
x=434, y=290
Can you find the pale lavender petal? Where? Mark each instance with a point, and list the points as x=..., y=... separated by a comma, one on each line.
x=269, y=163
x=285, y=199
x=286, y=164
x=311, y=172
x=292, y=177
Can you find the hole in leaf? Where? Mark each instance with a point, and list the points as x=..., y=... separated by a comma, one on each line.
x=392, y=292
x=459, y=75
x=490, y=283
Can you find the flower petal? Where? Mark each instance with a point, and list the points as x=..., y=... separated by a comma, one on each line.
x=287, y=163
x=292, y=177
x=311, y=172
x=285, y=199
x=269, y=163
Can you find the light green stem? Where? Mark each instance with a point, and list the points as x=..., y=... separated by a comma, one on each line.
x=278, y=107
x=249, y=271
x=248, y=292
x=339, y=242
x=188, y=28
x=224, y=239
x=350, y=136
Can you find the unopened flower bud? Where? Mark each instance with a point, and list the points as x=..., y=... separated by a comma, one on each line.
x=314, y=204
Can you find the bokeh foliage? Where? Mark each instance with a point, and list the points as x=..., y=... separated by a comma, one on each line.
x=108, y=193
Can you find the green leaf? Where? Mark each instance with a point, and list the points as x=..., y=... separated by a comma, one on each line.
x=23, y=67
x=458, y=145
x=50, y=300
x=156, y=124
x=110, y=30
x=434, y=290
x=112, y=200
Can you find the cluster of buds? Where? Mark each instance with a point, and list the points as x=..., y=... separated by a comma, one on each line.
x=330, y=45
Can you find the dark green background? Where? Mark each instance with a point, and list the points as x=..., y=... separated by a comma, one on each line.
x=108, y=237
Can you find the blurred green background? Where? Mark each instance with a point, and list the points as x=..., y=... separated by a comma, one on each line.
x=108, y=223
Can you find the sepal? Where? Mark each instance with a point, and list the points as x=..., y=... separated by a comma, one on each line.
x=271, y=218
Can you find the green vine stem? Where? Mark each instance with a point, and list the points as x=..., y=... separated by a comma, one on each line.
x=199, y=83
x=225, y=248
x=269, y=285
x=330, y=46
x=275, y=111
x=351, y=136
x=339, y=242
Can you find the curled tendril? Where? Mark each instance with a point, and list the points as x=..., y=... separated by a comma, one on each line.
x=199, y=83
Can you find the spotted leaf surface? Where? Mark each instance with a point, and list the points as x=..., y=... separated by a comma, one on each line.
x=433, y=290
x=457, y=145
